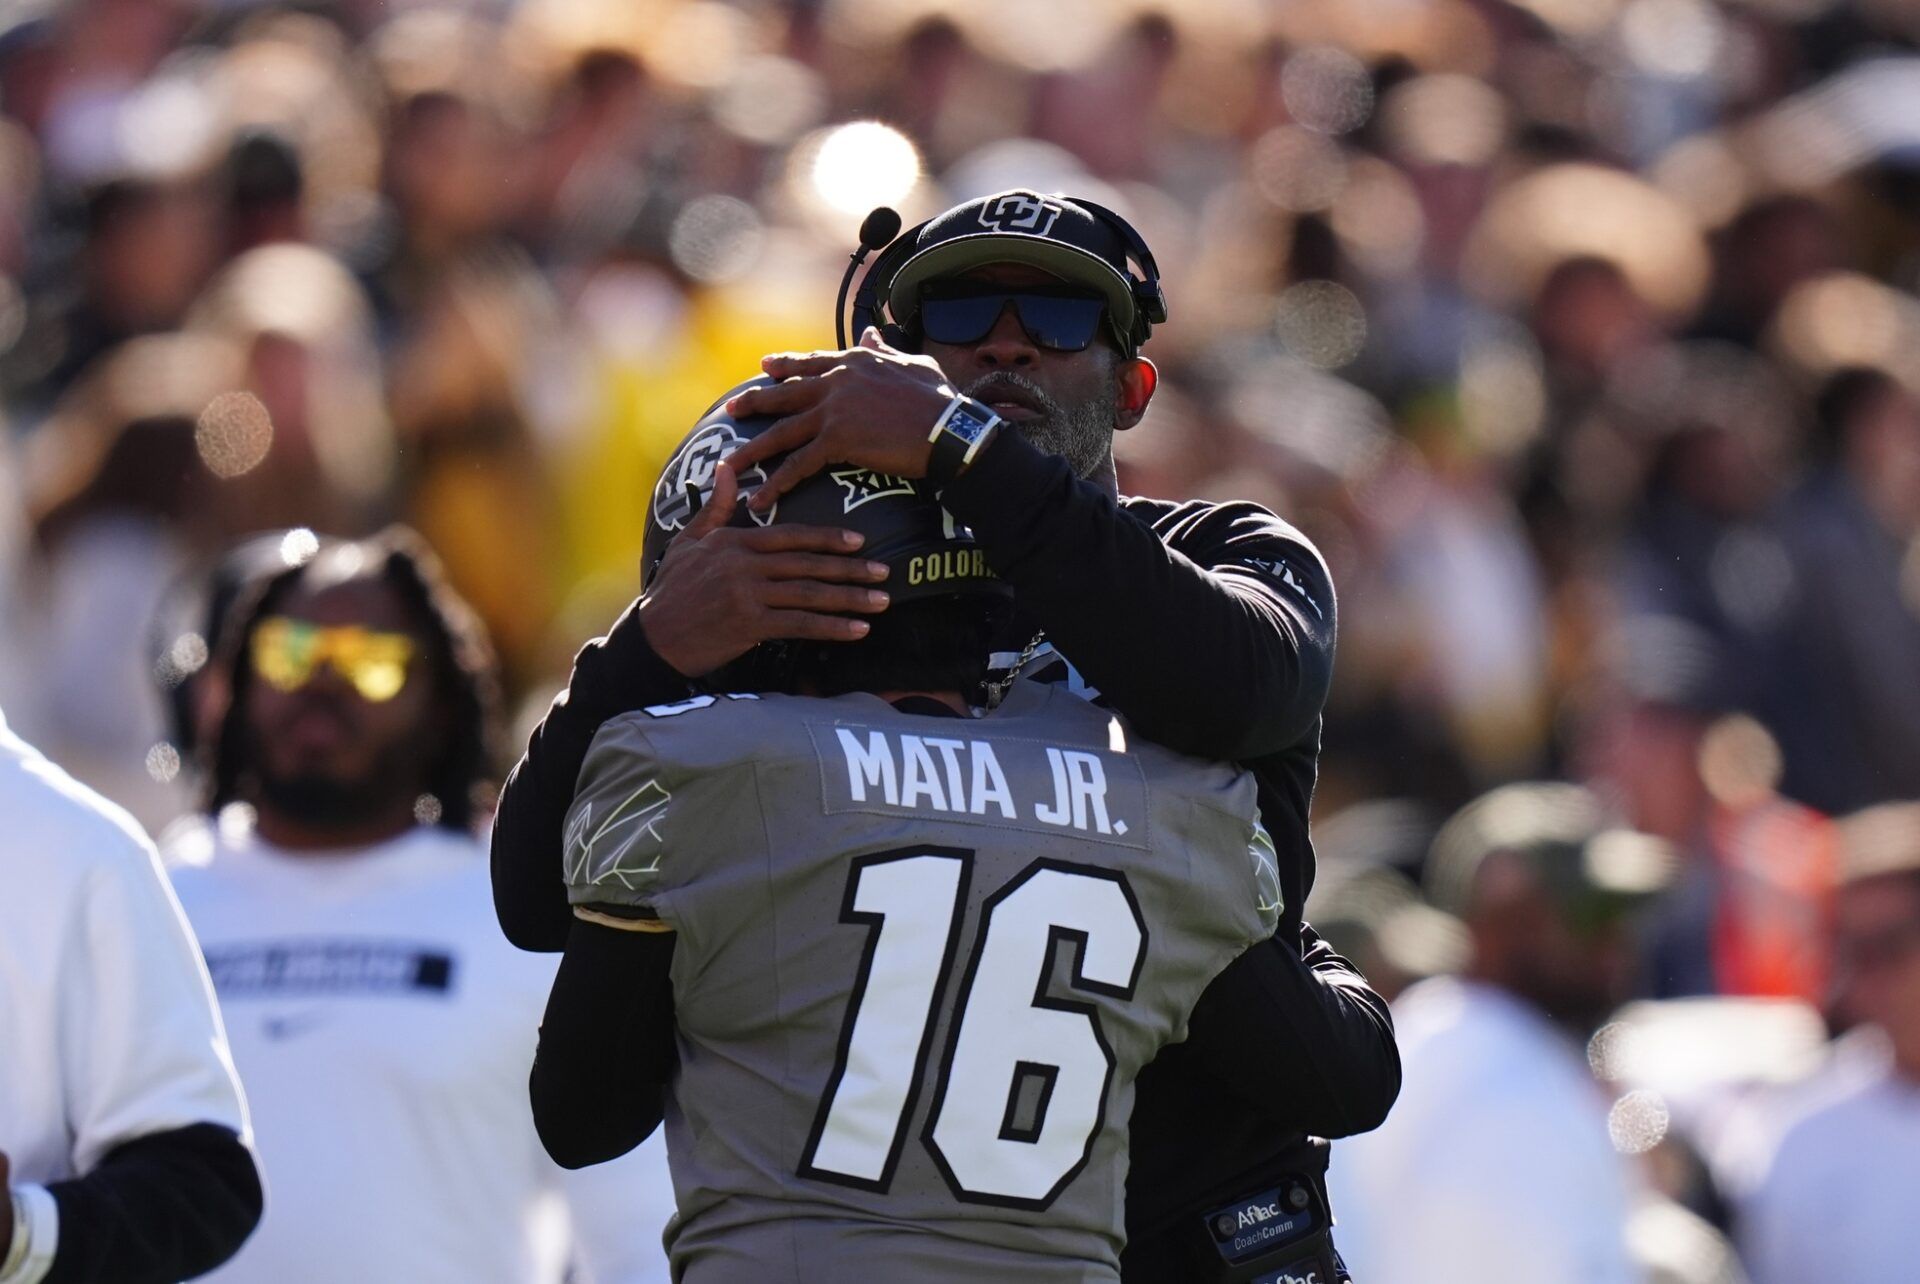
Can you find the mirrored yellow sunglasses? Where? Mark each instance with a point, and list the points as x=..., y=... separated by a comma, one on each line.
x=288, y=652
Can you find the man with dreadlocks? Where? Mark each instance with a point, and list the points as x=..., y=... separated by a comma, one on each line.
x=381, y=1026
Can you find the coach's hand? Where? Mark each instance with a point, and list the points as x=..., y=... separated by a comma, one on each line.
x=873, y=406
x=722, y=590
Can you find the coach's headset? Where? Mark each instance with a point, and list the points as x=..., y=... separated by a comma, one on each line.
x=880, y=230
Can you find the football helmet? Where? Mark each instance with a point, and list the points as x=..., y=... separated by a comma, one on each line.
x=926, y=552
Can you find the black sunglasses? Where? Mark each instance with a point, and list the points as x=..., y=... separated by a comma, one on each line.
x=1062, y=318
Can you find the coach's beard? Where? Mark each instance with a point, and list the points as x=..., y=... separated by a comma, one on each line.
x=1081, y=434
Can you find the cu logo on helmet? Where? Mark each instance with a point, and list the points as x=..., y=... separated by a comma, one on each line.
x=1018, y=213
x=673, y=507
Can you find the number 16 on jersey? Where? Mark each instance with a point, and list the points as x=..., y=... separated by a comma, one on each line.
x=1021, y=1092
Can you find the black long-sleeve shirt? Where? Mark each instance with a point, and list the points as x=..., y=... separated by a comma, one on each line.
x=1211, y=627
x=163, y=1207
x=608, y=1025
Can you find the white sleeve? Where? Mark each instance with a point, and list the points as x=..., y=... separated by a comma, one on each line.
x=145, y=1051
x=619, y=1210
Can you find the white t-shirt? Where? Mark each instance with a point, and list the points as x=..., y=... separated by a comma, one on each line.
x=1495, y=1165
x=385, y=1030
x=108, y=1030
x=1841, y=1198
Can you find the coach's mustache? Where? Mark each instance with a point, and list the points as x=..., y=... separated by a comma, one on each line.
x=1005, y=385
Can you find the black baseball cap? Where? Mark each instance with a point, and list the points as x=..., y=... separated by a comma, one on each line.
x=1053, y=233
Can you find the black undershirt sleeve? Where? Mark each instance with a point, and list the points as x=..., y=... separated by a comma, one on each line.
x=163, y=1207
x=1227, y=653
x=612, y=675
x=606, y=1051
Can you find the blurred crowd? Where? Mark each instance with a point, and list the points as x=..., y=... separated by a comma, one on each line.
x=1578, y=334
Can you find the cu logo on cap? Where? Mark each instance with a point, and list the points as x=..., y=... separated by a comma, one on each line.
x=1017, y=213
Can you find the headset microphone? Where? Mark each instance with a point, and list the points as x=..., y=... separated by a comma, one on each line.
x=877, y=230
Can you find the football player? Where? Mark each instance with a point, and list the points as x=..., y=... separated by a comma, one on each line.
x=888, y=968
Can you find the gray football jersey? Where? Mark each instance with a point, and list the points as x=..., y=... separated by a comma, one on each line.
x=920, y=962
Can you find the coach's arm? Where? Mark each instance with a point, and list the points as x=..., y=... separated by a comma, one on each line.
x=1324, y=1060
x=718, y=592
x=1210, y=627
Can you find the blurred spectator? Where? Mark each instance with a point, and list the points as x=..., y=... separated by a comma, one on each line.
x=1746, y=914
x=1496, y=1163
x=1699, y=1082
x=122, y=504
x=473, y=479
x=1375, y=917
x=1366, y=904
x=1107, y=113
x=1836, y=1201
x=592, y=147
x=1716, y=432
x=264, y=188
x=1848, y=709
x=452, y=164
x=147, y=247
x=1589, y=319
x=383, y=1027
x=1456, y=561
x=14, y=538
x=650, y=347
x=319, y=451
x=1771, y=247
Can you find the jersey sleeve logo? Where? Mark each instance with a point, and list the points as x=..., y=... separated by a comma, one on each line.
x=624, y=846
x=1268, y=899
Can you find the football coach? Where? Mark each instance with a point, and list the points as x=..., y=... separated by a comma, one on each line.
x=1000, y=350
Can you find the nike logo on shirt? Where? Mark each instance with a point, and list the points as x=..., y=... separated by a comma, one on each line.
x=282, y=1028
